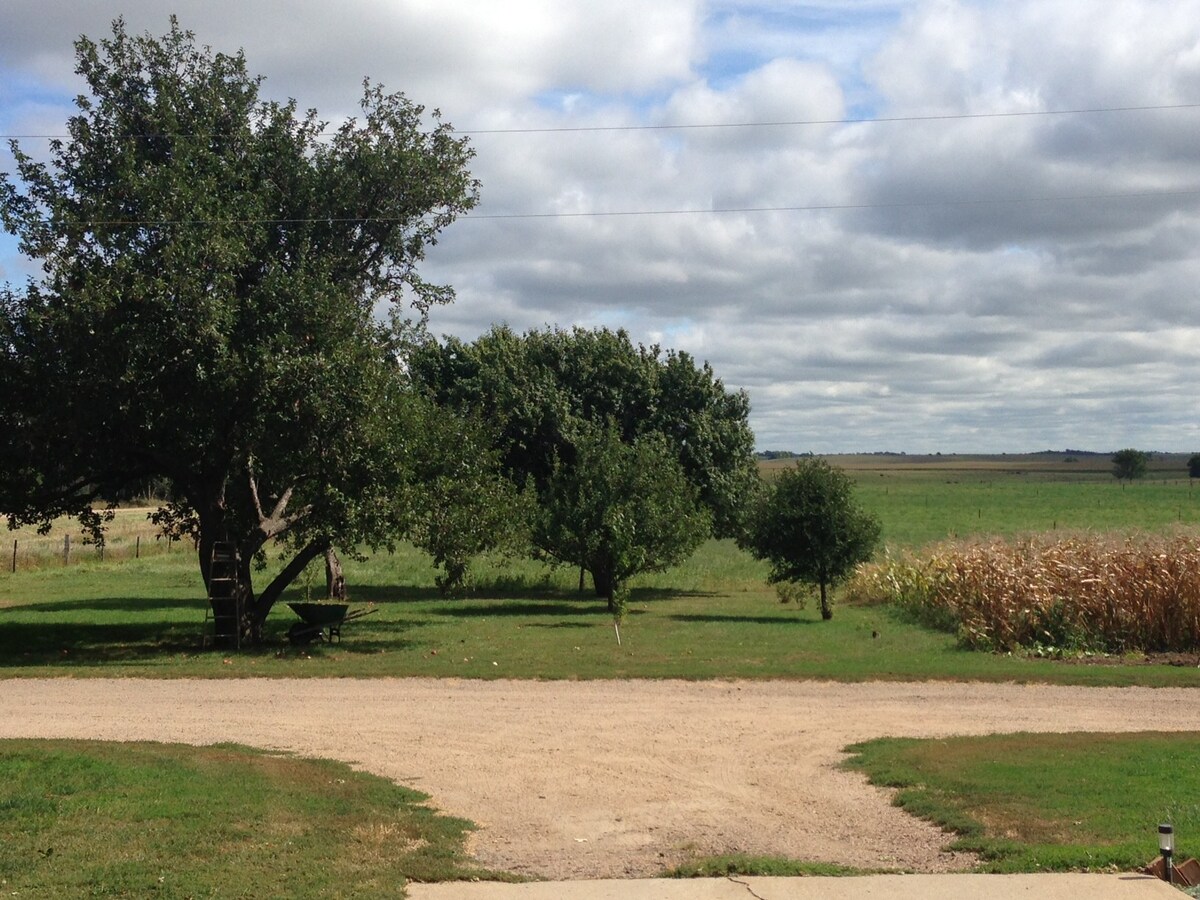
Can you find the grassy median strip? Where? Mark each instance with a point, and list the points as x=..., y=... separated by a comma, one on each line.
x=166, y=820
x=1045, y=802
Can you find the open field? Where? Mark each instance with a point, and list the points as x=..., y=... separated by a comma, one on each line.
x=924, y=499
x=712, y=617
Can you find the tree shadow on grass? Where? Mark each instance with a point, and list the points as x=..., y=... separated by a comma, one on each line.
x=379, y=593
x=118, y=604
x=73, y=643
x=145, y=641
x=650, y=594
x=485, y=609
x=749, y=620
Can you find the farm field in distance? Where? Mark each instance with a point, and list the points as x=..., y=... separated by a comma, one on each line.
x=921, y=499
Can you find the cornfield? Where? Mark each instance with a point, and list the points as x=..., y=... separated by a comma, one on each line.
x=1085, y=593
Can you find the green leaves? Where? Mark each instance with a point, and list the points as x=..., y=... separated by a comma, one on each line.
x=1129, y=464
x=213, y=267
x=809, y=527
x=631, y=451
x=620, y=508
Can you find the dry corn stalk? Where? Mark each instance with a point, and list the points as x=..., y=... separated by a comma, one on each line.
x=1089, y=593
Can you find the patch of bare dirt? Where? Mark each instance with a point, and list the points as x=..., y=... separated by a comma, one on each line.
x=607, y=779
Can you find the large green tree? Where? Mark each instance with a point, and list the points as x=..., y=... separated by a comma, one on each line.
x=213, y=265
x=548, y=393
x=1129, y=464
x=808, y=526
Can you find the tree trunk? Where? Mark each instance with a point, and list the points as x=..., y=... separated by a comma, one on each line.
x=335, y=578
x=290, y=573
x=606, y=585
x=231, y=594
x=826, y=610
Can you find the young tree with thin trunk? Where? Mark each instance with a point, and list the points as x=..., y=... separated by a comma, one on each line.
x=809, y=528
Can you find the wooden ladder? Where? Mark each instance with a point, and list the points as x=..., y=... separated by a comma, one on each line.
x=225, y=601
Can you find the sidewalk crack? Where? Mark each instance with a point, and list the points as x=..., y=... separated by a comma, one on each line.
x=746, y=885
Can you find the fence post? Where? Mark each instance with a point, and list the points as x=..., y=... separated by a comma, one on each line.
x=137, y=548
x=66, y=549
x=14, y=567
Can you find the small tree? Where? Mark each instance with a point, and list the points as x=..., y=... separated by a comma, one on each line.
x=618, y=509
x=1129, y=464
x=461, y=505
x=810, y=529
x=1194, y=466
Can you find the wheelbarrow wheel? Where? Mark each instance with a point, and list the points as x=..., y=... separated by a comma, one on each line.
x=302, y=633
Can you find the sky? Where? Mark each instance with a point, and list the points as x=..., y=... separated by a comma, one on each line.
x=975, y=230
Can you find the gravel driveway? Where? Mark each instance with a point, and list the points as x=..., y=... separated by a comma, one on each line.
x=606, y=779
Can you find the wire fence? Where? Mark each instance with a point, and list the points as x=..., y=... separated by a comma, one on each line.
x=27, y=553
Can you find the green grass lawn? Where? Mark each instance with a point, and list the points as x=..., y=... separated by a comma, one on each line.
x=1030, y=802
x=85, y=818
x=713, y=618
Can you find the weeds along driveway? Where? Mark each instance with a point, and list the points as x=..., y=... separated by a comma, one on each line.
x=607, y=778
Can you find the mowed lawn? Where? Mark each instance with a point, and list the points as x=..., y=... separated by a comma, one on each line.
x=713, y=617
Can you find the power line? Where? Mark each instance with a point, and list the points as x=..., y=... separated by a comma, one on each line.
x=834, y=207
x=866, y=120
x=819, y=207
x=856, y=121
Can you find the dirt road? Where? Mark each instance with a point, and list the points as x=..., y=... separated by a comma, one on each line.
x=606, y=779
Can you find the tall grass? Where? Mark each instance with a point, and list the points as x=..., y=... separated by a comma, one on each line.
x=1085, y=592
x=130, y=534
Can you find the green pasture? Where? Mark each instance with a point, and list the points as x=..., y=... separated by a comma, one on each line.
x=921, y=499
x=714, y=617
x=1047, y=802
x=917, y=507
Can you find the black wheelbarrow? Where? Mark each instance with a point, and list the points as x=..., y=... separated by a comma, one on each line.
x=322, y=621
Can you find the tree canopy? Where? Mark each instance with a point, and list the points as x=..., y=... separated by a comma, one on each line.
x=619, y=509
x=561, y=401
x=809, y=528
x=212, y=264
x=1129, y=464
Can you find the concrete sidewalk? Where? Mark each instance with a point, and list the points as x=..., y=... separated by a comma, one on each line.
x=1067, y=886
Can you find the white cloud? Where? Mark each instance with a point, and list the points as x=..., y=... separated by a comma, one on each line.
x=964, y=308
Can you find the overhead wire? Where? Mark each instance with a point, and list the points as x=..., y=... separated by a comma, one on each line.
x=816, y=207
x=686, y=126
x=865, y=120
